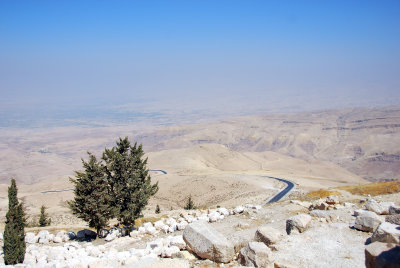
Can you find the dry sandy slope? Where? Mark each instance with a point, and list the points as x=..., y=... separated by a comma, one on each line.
x=212, y=173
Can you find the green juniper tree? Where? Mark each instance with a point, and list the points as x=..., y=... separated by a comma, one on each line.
x=44, y=219
x=189, y=204
x=14, y=236
x=92, y=201
x=129, y=180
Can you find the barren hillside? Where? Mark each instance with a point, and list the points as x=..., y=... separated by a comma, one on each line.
x=363, y=140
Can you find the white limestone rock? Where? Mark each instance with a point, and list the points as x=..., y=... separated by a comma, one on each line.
x=387, y=233
x=223, y=211
x=256, y=254
x=238, y=210
x=267, y=235
x=141, y=230
x=151, y=230
x=159, y=224
x=134, y=233
x=214, y=216
x=177, y=241
x=298, y=223
x=57, y=239
x=182, y=225
x=31, y=238
x=380, y=254
x=367, y=221
x=207, y=243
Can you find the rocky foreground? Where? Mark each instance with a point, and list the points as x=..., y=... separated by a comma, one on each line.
x=323, y=233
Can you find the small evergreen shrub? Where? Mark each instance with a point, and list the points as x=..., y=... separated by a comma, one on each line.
x=44, y=219
x=189, y=204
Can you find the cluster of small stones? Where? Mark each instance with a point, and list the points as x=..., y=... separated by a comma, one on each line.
x=200, y=238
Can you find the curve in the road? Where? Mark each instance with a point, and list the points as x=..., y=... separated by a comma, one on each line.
x=66, y=190
x=277, y=197
x=281, y=194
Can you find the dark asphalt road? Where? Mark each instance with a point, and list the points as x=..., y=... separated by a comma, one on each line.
x=282, y=193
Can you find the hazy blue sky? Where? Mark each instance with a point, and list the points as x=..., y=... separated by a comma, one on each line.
x=275, y=53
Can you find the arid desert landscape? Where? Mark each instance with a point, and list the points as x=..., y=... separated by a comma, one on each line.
x=218, y=163
x=199, y=134
x=225, y=164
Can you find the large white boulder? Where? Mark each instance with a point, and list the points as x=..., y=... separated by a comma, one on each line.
x=256, y=254
x=31, y=238
x=387, y=233
x=57, y=239
x=177, y=241
x=159, y=225
x=168, y=252
x=63, y=235
x=182, y=225
x=165, y=229
x=367, y=221
x=151, y=230
x=147, y=225
x=141, y=230
x=380, y=254
x=43, y=237
x=386, y=207
x=379, y=208
x=214, y=216
x=223, y=211
x=111, y=236
x=134, y=233
x=298, y=223
x=188, y=218
x=207, y=243
x=267, y=235
x=238, y=210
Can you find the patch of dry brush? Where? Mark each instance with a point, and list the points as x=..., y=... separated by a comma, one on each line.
x=320, y=194
x=378, y=188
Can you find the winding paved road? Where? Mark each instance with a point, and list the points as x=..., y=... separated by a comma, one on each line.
x=282, y=193
x=277, y=197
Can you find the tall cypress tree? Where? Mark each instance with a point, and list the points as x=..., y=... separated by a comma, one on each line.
x=92, y=197
x=129, y=180
x=14, y=236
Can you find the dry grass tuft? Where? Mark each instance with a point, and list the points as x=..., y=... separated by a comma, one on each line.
x=320, y=194
x=139, y=222
x=377, y=188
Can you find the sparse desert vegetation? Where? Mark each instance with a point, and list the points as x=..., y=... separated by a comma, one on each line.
x=373, y=189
